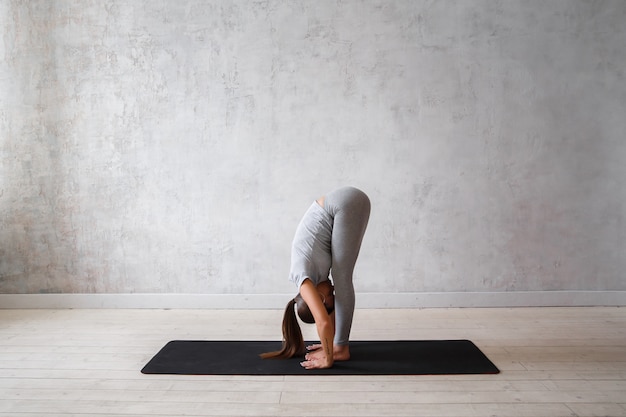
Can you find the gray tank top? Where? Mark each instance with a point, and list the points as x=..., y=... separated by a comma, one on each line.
x=310, y=250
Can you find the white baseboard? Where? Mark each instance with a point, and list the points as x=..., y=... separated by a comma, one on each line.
x=278, y=301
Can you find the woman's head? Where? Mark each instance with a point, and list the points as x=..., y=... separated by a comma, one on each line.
x=293, y=343
x=327, y=294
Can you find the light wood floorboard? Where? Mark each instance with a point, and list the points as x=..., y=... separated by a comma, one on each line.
x=86, y=363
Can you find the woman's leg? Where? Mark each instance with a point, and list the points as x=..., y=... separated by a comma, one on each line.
x=351, y=210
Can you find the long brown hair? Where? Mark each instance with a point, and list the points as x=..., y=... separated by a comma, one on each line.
x=293, y=343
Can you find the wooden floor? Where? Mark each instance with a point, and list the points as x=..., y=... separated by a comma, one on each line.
x=553, y=362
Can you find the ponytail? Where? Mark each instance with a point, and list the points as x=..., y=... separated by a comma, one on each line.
x=293, y=343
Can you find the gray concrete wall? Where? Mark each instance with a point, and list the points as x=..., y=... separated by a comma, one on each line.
x=172, y=146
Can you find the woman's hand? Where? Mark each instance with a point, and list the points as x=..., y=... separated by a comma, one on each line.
x=317, y=359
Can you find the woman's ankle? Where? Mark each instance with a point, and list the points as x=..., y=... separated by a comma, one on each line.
x=341, y=352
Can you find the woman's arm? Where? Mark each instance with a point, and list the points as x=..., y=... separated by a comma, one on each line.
x=324, y=324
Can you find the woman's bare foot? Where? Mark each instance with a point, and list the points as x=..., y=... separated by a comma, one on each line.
x=340, y=353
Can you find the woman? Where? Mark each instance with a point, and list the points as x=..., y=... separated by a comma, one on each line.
x=328, y=238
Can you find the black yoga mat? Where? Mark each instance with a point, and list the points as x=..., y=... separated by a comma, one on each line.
x=401, y=357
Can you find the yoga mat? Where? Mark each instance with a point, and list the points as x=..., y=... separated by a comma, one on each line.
x=400, y=357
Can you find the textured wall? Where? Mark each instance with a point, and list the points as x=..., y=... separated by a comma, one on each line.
x=172, y=146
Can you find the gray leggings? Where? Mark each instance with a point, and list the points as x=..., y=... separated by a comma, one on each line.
x=350, y=209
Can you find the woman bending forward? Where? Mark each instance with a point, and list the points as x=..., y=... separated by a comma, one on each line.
x=327, y=241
